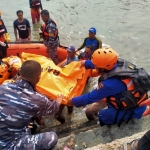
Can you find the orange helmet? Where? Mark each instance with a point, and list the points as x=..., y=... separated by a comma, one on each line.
x=3, y=69
x=104, y=58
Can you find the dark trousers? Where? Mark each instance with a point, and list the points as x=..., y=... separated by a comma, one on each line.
x=61, y=108
x=3, y=51
x=144, y=142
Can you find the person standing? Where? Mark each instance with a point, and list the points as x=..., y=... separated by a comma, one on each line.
x=49, y=33
x=35, y=6
x=23, y=26
x=4, y=38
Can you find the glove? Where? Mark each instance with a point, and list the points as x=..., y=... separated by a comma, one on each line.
x=7, y=37
x=147, y=102
x=2, y=44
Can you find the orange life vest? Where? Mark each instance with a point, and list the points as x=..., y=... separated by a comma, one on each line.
x=2, y=31
x=123, y=103
x=46, y=33
x=137, y=83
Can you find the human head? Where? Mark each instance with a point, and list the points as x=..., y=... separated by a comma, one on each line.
x=19, y=14
x=30, y=71
x=3, y=70
x=45, y=15
x=71, y=51
x=88, y=50
x=92, y=33
x=104, y=59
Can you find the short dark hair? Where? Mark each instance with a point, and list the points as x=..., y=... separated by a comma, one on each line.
x=90, y=47
x=45, y=12
x=19, y=11
x=30, y=70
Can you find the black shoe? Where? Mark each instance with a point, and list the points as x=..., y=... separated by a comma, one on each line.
x=33, y=130
x=61, y=119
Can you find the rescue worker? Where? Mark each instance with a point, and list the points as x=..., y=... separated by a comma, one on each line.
x=4, y=38
x=111, y=91
x=86, y=55
x=50, y=35
x=36, y=7
x=19, y=103
x=22, y=25
x=91, y=40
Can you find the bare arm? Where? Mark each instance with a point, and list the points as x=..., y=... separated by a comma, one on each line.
x=29, y=30
x=41, y=5
x=83, y=45
x=16, y=36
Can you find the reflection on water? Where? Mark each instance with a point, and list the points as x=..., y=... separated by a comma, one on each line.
x=122, y=24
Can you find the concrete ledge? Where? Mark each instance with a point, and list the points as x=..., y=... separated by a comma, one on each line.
x=106, y=134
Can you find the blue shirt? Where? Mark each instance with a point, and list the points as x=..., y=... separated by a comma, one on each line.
x=112, y=86
x=22, y=28
x=69, y=60
x=89, y=65
x=96, y=43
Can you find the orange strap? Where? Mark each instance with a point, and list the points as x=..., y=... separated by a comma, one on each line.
x=5, y=77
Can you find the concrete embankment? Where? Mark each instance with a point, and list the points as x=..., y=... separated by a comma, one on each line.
x=107, y=137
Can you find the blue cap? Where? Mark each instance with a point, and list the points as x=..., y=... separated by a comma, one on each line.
x=71, y=49
x=93, y=30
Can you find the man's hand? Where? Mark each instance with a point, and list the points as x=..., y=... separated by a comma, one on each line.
x=29, y=38
x=82, y=62
x=100, y=85
x=146, y=103
x=17, y=40
x=59, y=99
x=69, y=103
x=30, y=126
x=10, y=68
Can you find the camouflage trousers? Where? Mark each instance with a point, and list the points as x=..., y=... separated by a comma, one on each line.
x=52, y=51
x=43, y=141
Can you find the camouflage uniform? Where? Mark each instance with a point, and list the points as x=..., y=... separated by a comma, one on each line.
x=51, y=41
x=52, y=50
x=19, y=102
x=46, y=140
